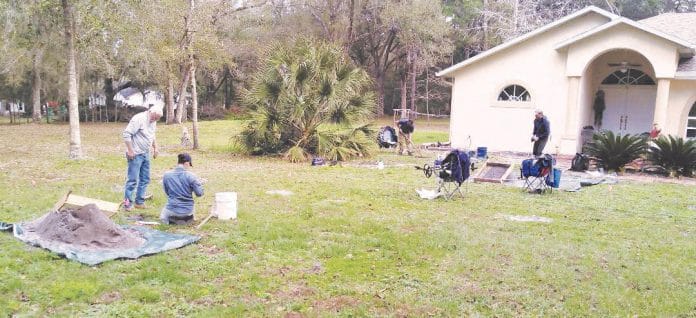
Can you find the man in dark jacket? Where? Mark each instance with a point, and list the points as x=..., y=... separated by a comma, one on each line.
x=541, y=132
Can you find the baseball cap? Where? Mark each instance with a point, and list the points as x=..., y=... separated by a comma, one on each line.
x=184, y=158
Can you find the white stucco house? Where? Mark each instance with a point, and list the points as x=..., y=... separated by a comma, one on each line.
x=645, y=69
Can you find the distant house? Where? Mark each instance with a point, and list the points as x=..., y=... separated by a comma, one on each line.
x=7, y=107
x=645, y=71
x=132, y=97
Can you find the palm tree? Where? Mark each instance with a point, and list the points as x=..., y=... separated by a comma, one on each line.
x=615, y=151
x=676, y=155
x=309, y=99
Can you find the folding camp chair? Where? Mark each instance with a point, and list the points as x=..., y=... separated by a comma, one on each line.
x=451, y=172
x=535, y=173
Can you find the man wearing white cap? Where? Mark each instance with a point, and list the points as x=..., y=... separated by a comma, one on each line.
x=139, y=137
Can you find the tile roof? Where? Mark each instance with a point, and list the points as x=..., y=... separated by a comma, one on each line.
x=687, y=65
x=681, y=25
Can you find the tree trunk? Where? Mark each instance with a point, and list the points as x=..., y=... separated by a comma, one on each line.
x=379, y=80
x=69, y=20
x=485, y=26
x=109, y=95
x=181, y=103
x=170, y=100
x=413, y=81
x=404, y=92
x=351, y=17
x=227, y=100
x=194, y=104
x=36, y=87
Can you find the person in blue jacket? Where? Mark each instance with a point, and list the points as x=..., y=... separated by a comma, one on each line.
x=180, y=185
x=541, y=132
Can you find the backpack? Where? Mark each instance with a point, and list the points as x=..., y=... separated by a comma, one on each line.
x=387, y=137
x=580, y=162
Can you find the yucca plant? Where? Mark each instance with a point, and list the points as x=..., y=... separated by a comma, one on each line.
x=676, y=155
x=612, y=152
x=309, y=99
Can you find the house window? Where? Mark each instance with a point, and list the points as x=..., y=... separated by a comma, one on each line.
x=628, y=76
x=515, y=93
x=691, y=123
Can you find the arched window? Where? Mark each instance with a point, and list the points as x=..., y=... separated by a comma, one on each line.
x=628, y=76
x=691, y=123
x=515, y=93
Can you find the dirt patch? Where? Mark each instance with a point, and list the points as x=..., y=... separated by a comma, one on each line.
x=87, y=227
x=108, y=298
x=317, y=268
x=295, y=292
x=336, y=304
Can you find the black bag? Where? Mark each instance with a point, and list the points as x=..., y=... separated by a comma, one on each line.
x=580, y=162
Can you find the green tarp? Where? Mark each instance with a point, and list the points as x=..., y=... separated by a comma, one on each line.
x=155, y=242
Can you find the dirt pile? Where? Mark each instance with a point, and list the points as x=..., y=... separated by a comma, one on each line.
x=86, y=227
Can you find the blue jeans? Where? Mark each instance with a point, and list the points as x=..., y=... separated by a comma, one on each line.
x=138, y=177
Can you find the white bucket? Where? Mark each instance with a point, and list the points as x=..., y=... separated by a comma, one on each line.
x=226, y=205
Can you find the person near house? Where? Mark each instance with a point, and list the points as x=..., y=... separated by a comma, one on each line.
x=655, y=132
x=180, y=184
x=406, y=127
x=139, y=137
x=541, y=132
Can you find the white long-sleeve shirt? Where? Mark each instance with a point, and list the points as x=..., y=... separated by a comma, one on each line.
x=140, y=132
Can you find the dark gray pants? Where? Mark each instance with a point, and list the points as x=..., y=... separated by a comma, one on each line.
x=539, y=147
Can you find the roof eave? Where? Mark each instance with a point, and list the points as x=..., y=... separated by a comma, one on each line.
x=525, y=37
x=685, y=46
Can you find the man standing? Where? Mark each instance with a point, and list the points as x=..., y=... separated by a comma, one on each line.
x=540, y=134
x=180, y=185
x=139, y=136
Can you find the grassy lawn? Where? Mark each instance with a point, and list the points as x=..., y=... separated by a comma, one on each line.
x=350, y=241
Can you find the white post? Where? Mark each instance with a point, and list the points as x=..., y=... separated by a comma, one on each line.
x=661, y=103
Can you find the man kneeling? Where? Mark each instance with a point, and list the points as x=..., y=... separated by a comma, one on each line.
x=179, y=185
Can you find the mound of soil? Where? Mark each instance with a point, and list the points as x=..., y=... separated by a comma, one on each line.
x=87, y=227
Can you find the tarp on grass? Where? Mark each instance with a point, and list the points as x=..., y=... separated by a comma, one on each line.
x=155, y=242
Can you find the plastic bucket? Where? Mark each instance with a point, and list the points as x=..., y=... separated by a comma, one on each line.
x=556, y=178
x=482, y=152
x=226, y=205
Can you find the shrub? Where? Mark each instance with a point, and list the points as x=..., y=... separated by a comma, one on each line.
x=614, y=151
x=309, y=99
x=212, y=112
x=676, y=155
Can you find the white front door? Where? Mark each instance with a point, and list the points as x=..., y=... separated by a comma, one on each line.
x=629, y=108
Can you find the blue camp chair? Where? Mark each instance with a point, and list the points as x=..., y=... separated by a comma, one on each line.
x=537, y=174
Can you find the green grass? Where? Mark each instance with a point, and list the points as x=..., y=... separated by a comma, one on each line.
x=350, y=241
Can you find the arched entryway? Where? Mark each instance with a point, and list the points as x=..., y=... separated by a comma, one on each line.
x=623, y=92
